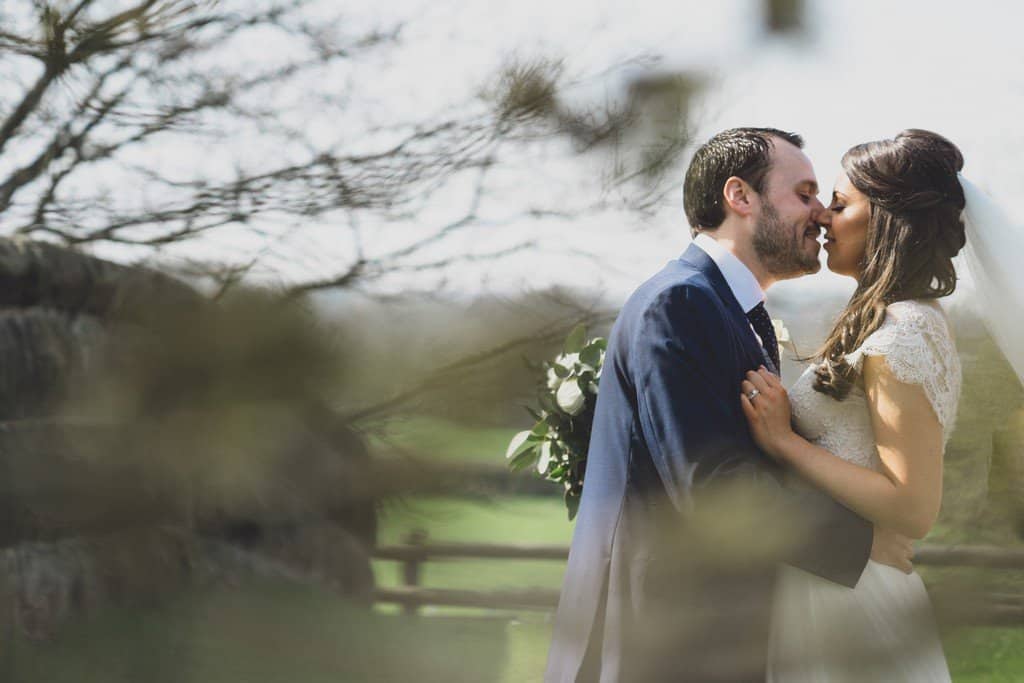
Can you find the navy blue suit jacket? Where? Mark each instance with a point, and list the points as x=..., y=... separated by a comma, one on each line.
x=648, y=596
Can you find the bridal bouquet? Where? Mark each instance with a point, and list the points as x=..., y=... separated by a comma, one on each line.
x=557, y=445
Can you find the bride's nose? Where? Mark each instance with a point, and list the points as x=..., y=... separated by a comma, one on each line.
x=822, y=217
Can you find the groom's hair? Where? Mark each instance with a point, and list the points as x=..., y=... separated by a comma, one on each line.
x=741, y=152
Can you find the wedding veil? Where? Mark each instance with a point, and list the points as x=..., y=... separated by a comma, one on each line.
x=994, y=255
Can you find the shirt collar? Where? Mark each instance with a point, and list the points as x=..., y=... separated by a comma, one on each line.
x=739, y=278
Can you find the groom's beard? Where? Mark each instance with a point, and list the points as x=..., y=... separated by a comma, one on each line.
x=780, y=248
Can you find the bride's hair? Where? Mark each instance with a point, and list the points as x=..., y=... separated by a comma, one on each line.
x=914, y=231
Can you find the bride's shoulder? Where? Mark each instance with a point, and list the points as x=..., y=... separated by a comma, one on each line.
x=913, y=331
x=916, y=315
x=919, y=348
x=915, y=308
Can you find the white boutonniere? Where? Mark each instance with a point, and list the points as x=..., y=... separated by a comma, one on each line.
x=781, y=333
x=783, y=337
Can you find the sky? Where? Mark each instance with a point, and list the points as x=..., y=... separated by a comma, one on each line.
x=863, y=70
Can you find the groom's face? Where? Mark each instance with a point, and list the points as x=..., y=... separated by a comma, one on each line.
x=786, y=232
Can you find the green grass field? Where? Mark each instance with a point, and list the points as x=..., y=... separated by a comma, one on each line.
x=975, y=655
x=259, y=633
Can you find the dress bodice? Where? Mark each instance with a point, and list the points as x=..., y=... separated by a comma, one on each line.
x=918, y=348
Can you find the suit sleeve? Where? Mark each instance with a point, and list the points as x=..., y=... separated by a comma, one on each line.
x=687, y=385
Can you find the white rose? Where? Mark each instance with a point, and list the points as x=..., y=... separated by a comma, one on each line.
x=545, y=457
x=570, y=398
x=568, y=360
x=553, y=379
x=517, y=441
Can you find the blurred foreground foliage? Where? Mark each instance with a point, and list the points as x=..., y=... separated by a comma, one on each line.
x=154, y=441
x=259, y=631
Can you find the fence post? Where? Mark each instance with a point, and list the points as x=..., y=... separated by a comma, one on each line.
x=411, y=568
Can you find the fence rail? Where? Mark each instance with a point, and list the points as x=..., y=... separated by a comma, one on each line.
x=413, y=552
x=989, y=608
x=541, y=599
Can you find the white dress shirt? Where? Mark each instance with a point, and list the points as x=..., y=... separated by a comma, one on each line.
x=739, y=278
x=741, y=281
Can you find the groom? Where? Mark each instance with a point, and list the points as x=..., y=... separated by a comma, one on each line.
x=683, y=520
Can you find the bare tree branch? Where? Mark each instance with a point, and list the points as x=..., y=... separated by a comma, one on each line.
x=64, y=140
x=120, y=88
x=27, y=105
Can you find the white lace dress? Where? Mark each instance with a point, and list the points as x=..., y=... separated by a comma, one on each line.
x=882, y=630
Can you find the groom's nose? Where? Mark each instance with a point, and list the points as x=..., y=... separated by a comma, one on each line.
x=822, y=216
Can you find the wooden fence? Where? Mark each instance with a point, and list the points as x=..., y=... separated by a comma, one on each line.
x=982, y=608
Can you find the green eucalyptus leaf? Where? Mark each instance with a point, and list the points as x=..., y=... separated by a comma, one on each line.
x=572, y=504
x=525, y=458
x=591, y=355
x=545, y=458
x=574, y=342
x=517, y=444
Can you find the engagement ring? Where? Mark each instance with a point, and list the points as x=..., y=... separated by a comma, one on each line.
x=753, y=394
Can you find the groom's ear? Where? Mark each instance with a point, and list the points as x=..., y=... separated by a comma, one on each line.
x=739, y=196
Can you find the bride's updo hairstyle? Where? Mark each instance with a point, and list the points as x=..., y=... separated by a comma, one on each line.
x=914, y=231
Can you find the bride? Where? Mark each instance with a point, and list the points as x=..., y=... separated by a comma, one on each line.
x=869, y=420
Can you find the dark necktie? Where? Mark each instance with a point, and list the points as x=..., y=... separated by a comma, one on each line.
x=762, y=323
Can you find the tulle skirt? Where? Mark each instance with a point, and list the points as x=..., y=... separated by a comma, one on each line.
x=882, y=630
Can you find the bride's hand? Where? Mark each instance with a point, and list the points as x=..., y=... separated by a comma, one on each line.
x=768, y=412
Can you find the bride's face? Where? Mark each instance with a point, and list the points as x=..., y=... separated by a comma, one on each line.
x=846, y=228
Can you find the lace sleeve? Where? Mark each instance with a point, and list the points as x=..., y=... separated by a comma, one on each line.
x=918, y=348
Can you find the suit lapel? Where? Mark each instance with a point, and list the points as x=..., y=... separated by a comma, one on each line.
x=698, y=258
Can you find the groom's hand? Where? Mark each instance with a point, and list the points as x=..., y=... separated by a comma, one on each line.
x=892, y=548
